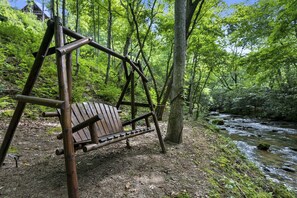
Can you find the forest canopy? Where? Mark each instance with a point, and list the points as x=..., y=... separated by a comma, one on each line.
x=238, y=60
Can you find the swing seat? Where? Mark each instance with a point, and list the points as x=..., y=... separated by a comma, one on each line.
x=95, y=125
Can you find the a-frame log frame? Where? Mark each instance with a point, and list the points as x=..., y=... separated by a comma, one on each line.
x=65, y=82
x=63, y=58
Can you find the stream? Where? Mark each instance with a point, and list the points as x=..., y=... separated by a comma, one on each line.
x=278, y=163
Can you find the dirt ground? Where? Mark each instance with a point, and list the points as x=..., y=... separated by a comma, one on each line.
x=112, y=171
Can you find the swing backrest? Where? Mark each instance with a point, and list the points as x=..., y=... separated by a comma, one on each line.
x=110, y=123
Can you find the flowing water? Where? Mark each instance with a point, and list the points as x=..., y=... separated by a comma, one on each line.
x=278, y=163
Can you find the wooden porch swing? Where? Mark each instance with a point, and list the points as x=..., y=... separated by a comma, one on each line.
x=87, y=125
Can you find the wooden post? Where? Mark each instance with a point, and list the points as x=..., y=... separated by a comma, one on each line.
x=124, y=91
x=69, y=75
x=125, y=69
x=133, y=109
x=150, y=102
x=72, y=182
x=27, y=90
x=94, y=135
x=147, y=122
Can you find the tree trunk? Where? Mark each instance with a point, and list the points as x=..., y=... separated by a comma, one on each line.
x=175, y=122
x=190, y=25
x=52, y=8
x=77, y=30
x=98, y=31
x=108, y=40
x=191, y=84
x=42, y=10
x=164, y=95
x=63, y=12
x=200, y=93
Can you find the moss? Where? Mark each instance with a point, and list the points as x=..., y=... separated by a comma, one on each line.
x=183, y=195
x=263, y=146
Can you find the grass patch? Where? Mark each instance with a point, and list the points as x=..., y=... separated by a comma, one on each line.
x=13, y=150
x=53, y=130
x=7, y=113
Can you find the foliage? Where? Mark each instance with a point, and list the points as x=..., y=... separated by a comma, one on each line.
x=110, y=93
x=260, y=80
x=5, y=102
x=261, y=102
x=22, y=34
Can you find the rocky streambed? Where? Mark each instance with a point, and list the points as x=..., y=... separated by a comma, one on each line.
x=271, y=145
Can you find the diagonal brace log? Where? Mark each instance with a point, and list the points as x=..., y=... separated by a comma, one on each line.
x=27, y=90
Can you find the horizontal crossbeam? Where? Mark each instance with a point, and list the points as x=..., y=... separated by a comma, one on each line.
x=138, y=104
x=106, y=50
x=40, y=101
x=137, y=119
x=50, y=114
x=92, y=43
x=73, y=45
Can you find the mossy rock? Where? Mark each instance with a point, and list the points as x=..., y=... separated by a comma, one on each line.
x=263, y=146
x=218, y=122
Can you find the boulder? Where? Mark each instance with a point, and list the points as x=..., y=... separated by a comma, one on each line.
x=214, y=113
x=289, y=169
x=263, y=146
x=266, y=169
x=293, y=149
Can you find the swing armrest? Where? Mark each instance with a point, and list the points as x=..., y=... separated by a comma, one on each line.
x=87, y=123
x=137, y=119
x=84, y=124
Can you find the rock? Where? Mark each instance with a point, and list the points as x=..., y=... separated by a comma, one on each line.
x=288, y=169
x=214, y=113
x=128, y=185
x=263, y=146
x=266, y=169
x=293, y=149
x=217, y=122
